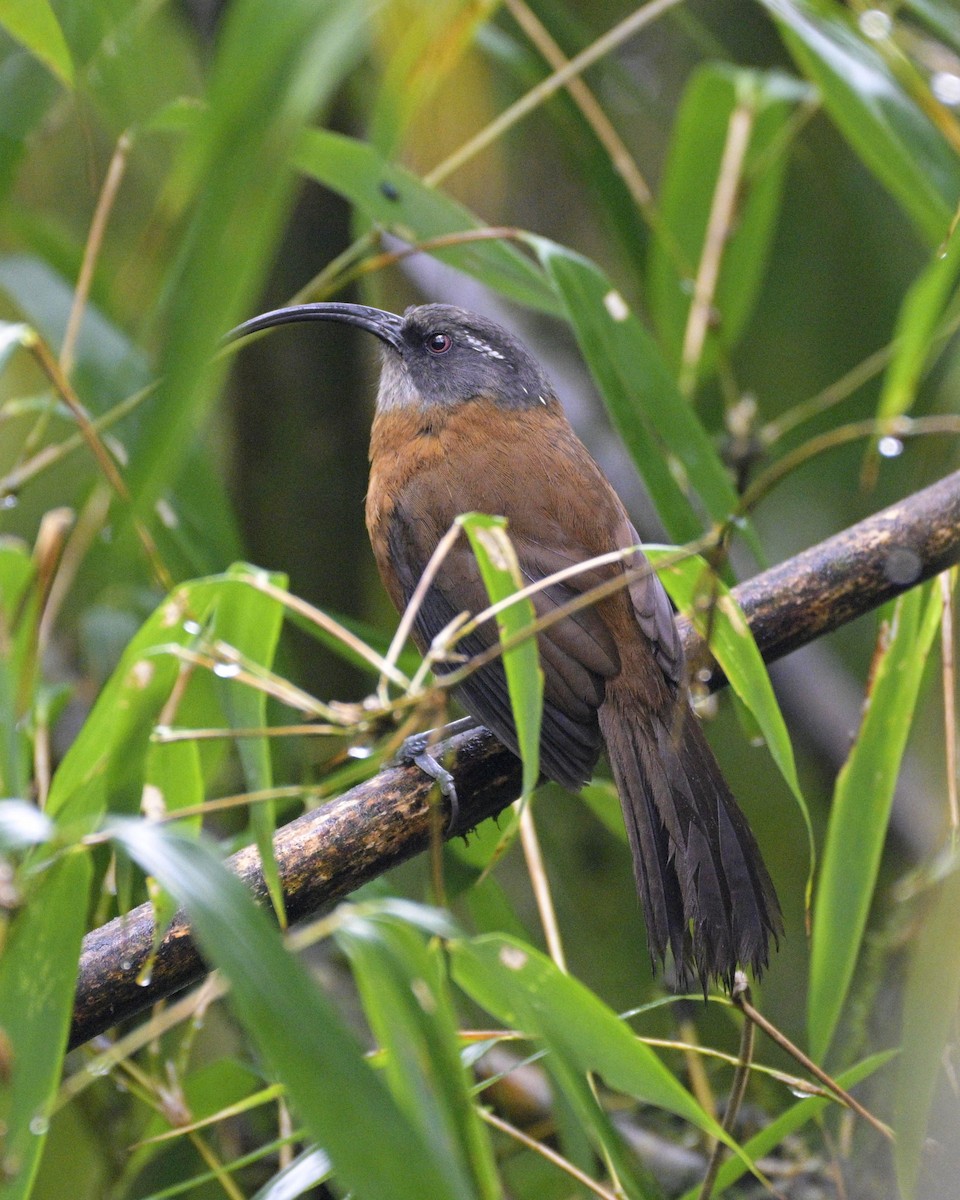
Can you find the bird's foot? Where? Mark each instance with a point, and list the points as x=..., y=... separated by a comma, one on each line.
x=417, y=750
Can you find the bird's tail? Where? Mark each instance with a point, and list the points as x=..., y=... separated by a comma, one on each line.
x=705, y=891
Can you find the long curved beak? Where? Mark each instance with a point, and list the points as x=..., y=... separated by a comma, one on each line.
x=384, y=325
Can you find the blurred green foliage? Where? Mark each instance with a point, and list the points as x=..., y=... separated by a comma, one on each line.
x=740, y=217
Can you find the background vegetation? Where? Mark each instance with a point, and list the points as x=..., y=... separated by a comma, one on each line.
x=771, y=188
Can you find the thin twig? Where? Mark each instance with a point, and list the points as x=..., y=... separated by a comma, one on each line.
x=319, y=618
x=743, y=1003
x=98, y=226
x=51, y=368
x=545, y=89
x=545, y=1152
x=540, y=884
x=715, y=237
x=443, y=548
x=738, y=1089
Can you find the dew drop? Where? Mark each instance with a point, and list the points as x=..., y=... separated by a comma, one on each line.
x=226, y=670
x=945, y=86
x=39, y=1125
x=145, y=974
x=99, y=1068
x=890, y=447
x=360, y=752
x=875, y=24
x=902, y=566
x=126, y=965
x=10, y=500
x=192, y=627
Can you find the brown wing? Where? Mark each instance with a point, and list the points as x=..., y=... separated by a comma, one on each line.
x=577, y=655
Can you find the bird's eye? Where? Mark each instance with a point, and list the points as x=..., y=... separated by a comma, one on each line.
x=439, y=343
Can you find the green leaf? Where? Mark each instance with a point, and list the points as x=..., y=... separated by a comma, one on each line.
x=106, y=763
x=405, y=995
x=861, y=811
x=500, y=571
x=929, y=1016
x=941, y=16
x=402, y=204
x=866, y=102
x=914, y=340
x=34, y=24
x=714, y=94
x=38, y=971
x=641, y=395
x=377, y=1151
x=732, y=644
x=236, y=166
x=250, y=621
x=16, y=658
x=527, y=991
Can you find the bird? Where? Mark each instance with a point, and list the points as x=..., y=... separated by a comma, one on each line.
x=467, y=421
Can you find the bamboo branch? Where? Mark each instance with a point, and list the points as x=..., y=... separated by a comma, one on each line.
x=327, y=853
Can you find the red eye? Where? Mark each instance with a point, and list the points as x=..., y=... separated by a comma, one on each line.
x=438, y=343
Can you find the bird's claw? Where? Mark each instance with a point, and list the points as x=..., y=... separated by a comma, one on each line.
x=416, y=750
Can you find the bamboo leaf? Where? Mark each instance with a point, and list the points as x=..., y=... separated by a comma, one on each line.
x=929, y=1016
x=866, y=102
x=527, y=991
x=34, y=24
x=402, y=204
x=38, y=970
x=375, y=1148
x=650, y=414
x=236, y=166
x=500, y=571
x=250, y=622
x=715, y=93
x=861, y=811
x=405, y=994
x=914, y=341
x=733, y=646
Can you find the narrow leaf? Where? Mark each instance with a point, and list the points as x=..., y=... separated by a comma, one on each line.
x=500, y=571
x=250, y=621
x=237, y=165
x=929, y=1015
x=787, y=1123
x=402, y=204
x=642, y=396
x=713, y=96
x=733, y=646
x=866, y=102
x=527, y=991
x=346, y=1106
x=861, y=811
x=922, y=310
x=34, y=24
x=38, y=970
x=405, y=994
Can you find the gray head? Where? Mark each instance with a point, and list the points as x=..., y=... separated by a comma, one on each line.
x=433, y=354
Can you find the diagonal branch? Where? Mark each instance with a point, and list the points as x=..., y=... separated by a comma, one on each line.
x=327, y=853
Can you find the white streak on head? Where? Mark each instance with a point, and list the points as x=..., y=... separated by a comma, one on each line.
x=481, y=347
